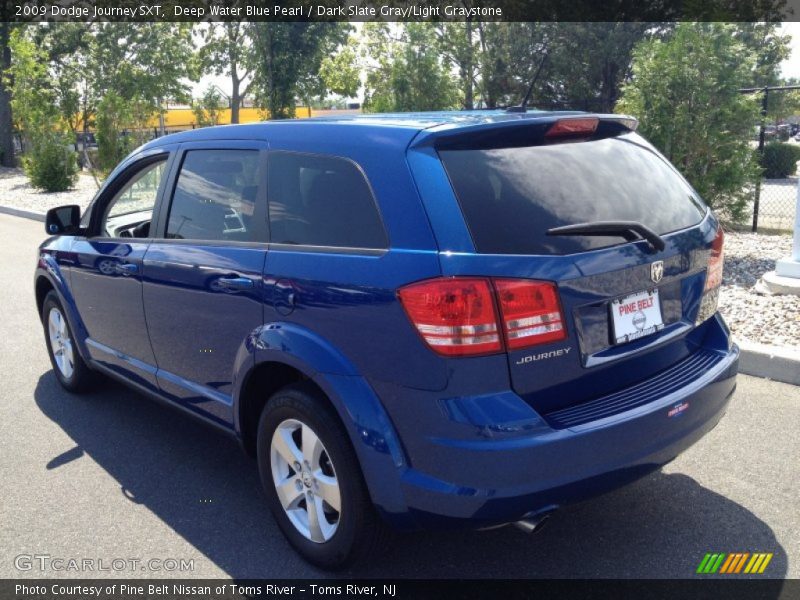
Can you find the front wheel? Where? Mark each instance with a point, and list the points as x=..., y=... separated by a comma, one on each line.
x=70, y=369
x=313, y=481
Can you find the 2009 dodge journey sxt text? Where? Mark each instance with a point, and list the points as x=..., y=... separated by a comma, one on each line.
x=425, y=320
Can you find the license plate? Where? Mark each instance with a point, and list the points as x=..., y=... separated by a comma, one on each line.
x=635, y=316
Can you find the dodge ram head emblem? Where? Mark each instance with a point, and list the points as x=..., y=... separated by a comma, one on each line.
x=657, y=271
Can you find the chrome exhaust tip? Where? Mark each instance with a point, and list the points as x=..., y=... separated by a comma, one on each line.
x=533, y=523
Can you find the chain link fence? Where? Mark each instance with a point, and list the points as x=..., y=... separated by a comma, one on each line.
x=776, y=205
x=774, y=197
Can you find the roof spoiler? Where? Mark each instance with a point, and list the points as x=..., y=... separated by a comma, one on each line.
x=532, y=131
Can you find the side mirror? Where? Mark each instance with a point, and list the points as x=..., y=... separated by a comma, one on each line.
x=63, y=220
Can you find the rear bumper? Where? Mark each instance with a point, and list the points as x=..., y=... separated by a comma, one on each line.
x=491, y=481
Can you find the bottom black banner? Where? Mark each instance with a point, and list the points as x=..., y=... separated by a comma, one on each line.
x=213, y=589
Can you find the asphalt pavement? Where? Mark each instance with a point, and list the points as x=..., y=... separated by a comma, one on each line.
x=113, y=475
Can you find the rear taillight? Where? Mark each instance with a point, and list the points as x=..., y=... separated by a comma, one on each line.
x=459, y=316
x=714, y=272
x=456, y=317
x=710, y=299
x=531, y=312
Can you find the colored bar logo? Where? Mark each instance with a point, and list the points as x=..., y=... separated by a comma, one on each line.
x=734, y=563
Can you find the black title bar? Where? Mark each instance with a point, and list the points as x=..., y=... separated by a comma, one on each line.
x=419, y=10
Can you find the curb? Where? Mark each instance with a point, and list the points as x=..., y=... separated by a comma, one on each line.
x=758, y=360
x=25, y=214
x=770, y=362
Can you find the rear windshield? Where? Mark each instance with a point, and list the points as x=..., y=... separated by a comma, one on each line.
x=511, y=196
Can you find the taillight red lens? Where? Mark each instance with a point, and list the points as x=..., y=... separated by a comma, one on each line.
x=530, y=311
x=715, y=262
x=458, y=317
x=572, y=127
x=455, y=316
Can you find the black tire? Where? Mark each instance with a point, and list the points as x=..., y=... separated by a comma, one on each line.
x=360, y=532
x=81, y=377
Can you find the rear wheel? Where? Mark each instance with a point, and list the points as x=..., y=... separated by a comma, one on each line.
x=313, y=481
x=70, y=369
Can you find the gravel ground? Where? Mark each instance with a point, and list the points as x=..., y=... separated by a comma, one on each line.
x=17, y=192
x=752, y=316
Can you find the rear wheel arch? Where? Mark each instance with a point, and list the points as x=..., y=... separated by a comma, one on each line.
x=260, y=384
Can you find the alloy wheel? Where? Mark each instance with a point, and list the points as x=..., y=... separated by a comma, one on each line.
x=305, y=480
x=61, y=343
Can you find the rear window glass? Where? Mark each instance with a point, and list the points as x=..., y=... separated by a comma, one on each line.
x=510, y=197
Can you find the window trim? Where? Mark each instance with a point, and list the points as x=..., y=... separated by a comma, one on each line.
x=101, y=204
x=260, y=210
x=317, y=249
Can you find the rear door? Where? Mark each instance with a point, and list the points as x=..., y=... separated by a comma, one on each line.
x=629, y=308
x=202, y=273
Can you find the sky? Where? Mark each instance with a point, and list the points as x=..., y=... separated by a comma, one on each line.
x=791, y=67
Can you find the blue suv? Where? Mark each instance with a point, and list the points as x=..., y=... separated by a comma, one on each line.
x=424, y=320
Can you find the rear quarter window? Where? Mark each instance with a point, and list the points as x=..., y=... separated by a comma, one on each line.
x=510, y=197
x=321, y=201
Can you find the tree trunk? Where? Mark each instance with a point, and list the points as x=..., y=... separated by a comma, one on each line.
x=469, y=94
x=236, y=101
x=6, y=120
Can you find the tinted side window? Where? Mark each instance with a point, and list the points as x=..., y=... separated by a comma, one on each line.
x=215, y=197
x=321, y=201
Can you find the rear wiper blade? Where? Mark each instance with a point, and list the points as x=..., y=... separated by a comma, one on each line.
x=630, y=230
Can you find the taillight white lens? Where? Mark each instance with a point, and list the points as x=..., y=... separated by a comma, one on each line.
x=530, y=312
x=455, y=316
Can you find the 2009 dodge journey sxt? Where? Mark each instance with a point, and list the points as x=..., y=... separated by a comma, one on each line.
x=422, y=320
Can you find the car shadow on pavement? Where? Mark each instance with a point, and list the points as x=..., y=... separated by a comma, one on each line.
x=200, y=483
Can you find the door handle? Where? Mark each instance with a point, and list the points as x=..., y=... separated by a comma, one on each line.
x=128, y=268
x=235, y=284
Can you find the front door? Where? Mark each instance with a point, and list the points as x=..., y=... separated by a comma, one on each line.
x=107, y=274
x=202, y=273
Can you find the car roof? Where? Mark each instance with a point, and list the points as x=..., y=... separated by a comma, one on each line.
x=398, y=127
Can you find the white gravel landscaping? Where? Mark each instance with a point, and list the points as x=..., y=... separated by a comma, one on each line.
x=17, y=192
x=755, y=317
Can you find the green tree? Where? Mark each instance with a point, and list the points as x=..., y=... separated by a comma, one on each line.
x=340, y=71
x=571, y=65
x=768, y=45
x=458, y=43
x=150, y=61
x=121, y=127
x=145, y=65
x=228, y=50
x=589, y=62
x=48, y=161
x=782, y=105
x=406, y=71
x=67, y=46
x=511, y=55
x=6, y=117
x=684, y=90
x=290, y=55
x=207, y=109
